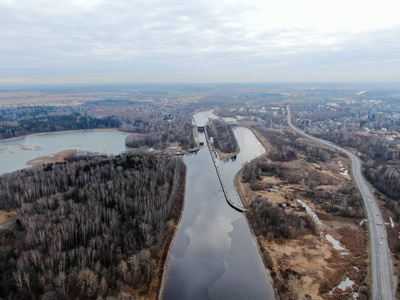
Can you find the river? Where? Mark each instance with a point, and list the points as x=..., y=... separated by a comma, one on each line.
x=214, y=255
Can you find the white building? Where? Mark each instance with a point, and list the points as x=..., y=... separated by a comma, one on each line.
x=230, y=121
x=211, y=141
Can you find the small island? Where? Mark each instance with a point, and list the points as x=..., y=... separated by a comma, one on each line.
x=222, y=138
x=175, y=137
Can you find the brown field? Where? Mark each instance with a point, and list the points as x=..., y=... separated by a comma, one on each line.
x=30, y=98
x=308, y=266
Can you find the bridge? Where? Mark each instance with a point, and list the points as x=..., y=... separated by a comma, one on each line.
x=227, y=198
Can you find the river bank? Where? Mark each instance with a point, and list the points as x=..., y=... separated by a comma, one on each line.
x=306, y=264
x=175, y=223
x=213, y=254
x=261, y=252
x=157, y=284
x=61, y=132
x=48, y=148
x=223, y=155
x=56, y=158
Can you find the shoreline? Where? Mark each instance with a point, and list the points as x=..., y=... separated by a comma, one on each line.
x=244, y=204
x=55, y=158
x=171, y=242
x=225, y=156
x=61, y=132
x=271, y=250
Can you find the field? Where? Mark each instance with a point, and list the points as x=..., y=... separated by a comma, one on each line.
x=308, y=265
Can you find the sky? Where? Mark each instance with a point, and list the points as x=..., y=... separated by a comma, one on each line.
x=129, y=41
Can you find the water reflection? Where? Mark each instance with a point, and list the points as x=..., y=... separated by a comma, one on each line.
x=230, y=159
x=214, y=255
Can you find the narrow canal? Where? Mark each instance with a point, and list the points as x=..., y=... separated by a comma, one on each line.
x=214, y=255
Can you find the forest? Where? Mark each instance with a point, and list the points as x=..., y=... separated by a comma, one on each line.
x=222, y=133
x=157, y=126
x=267, y=219
x=289, y=146
x=90, y=228
x=18, y=113
x=381, y=162
x=160, y=134
x=22, y=121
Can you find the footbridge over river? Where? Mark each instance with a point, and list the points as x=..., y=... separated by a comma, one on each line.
x=227, y=197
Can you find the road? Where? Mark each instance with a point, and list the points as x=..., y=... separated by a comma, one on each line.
x=381, y=264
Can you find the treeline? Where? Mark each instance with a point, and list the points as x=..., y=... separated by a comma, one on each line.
x=91, y=228
x=381, y=157
x=222, y=133
x=51, y=123
x=286, y=145
x=273, y=222
x=18, y=113
x=269, y=220
x=111, y=102
x=304, y=165
x=343, y=199
x=160, y=134
x=372, y=147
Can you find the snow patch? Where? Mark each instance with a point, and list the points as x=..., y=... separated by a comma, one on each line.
x=309, y=211
x=334, y=242
x=343, y=171
x=343, y=285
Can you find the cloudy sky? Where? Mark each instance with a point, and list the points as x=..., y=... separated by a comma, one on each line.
x=128, y=41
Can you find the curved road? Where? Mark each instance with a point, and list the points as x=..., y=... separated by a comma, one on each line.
x=382, y=283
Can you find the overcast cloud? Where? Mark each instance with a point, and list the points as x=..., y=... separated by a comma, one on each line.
x=84, y=41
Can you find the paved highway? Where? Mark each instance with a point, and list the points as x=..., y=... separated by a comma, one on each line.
x=382, y=283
